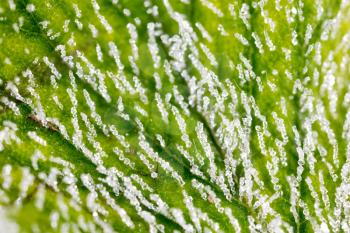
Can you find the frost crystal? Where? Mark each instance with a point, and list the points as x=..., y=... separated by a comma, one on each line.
x=174, y=116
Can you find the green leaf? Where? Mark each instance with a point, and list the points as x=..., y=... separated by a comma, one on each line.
x=174, y=116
